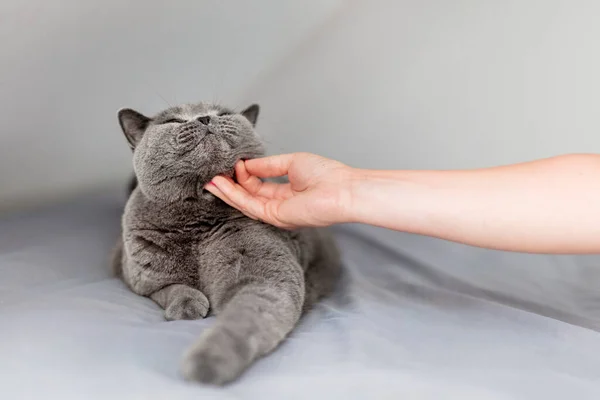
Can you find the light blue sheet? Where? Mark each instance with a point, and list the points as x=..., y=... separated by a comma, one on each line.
x=414, y=318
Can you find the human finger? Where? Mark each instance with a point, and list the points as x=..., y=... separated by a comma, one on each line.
x=257, y=187
x=269, y=206
x=241, y=199
x=270, y=190
x=249, y=182
x=212, y=188
x=269, y=167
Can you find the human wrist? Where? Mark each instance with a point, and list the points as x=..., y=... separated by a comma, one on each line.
x=359, y=188
x=399, y=200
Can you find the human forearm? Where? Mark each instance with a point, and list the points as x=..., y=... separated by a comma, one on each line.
x=546, y=206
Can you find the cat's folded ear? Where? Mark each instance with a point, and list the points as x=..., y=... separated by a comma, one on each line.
x=133, y=125
x=251, y=113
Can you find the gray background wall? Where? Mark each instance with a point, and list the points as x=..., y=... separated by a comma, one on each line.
x=66, y=66
x=441, y=84
x=387, y=84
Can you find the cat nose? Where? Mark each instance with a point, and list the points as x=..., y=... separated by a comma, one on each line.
x=204, y=120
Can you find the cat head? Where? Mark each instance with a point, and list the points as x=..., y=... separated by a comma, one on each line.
x=179, y=150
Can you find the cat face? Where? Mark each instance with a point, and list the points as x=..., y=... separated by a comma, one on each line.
x=179, y=150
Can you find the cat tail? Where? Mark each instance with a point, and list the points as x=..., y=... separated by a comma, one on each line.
x=258, y=316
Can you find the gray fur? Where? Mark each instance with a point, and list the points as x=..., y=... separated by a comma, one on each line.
x=192, y=253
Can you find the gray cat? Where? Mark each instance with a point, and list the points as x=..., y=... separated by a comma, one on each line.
x=191, y=253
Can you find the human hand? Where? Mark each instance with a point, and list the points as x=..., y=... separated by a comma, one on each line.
x=318, y=192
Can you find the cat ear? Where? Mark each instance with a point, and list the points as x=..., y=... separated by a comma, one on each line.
x=133, y=125
x=251, y=113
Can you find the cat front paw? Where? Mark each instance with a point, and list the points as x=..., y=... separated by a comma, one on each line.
x=187, y=304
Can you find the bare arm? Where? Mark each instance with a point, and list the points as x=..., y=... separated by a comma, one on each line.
x=545, y=206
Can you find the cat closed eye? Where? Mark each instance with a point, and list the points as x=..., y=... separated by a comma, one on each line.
x=174, y=121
